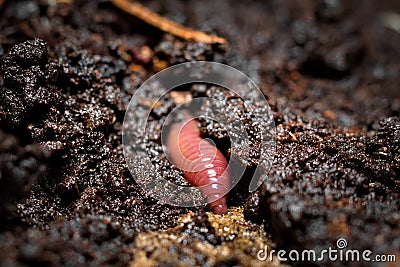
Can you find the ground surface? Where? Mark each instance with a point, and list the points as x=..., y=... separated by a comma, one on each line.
x=329, y=70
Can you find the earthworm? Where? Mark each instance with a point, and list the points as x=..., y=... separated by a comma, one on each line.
x=204, y=166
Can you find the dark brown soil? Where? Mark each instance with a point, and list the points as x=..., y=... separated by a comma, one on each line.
x=329, y=70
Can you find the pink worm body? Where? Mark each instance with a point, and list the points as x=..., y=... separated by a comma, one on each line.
x=203, y=164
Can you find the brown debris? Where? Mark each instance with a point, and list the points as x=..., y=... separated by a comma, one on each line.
x=330, y=114
x=241, y=240
x=181, y=97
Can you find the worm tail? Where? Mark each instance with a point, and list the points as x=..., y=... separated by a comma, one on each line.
x=203, y=164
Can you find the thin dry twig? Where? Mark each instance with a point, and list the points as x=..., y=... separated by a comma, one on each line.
x=54, y=2
x=164, y=24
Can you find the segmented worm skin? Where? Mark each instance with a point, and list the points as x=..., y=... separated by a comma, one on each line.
x=203, y=164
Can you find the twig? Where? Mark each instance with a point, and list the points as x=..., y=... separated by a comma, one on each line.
x=54, y=2
x=165, y=24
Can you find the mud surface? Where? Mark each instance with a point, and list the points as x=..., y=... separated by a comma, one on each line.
x=329, y=70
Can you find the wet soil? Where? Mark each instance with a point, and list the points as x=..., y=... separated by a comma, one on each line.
x=329, y=70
